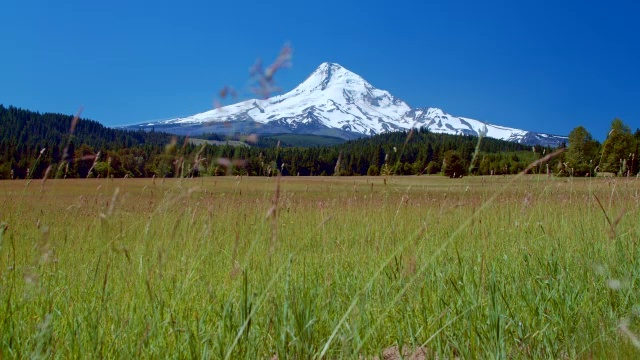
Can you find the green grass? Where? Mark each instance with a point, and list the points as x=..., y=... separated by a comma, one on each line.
x=224, y=267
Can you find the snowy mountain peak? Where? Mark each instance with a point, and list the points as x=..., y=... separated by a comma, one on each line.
x=326, y=69
x=335, y=101
x=330, y=75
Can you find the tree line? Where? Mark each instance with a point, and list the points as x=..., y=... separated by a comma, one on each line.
x=34, y=145
x=618, y=154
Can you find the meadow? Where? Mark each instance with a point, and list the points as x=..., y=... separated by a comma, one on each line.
x=320, y=267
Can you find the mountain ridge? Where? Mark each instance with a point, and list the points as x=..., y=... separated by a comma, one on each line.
x=337, y=102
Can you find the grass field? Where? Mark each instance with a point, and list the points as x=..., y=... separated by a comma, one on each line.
x=297, y=268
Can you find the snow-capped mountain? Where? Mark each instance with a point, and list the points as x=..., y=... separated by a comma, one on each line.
x=335, y=101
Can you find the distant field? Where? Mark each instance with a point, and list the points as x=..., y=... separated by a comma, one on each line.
x=287, y=140
x=217, y=142
x=307, y=140
x=320, y=267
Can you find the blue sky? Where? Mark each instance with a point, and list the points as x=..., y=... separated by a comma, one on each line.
x=538, y=65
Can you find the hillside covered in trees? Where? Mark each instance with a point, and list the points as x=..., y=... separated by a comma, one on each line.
x=34, y=145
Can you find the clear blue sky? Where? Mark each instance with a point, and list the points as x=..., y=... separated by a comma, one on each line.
x=538, y=65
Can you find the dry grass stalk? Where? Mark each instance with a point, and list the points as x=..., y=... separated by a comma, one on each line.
x=612, y=224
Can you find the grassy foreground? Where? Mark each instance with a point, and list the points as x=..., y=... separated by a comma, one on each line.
x=500, y=267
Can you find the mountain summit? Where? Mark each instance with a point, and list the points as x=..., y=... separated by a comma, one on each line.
x=337, y=102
